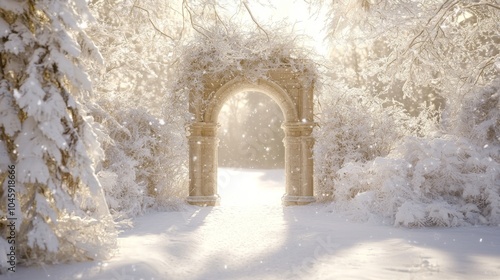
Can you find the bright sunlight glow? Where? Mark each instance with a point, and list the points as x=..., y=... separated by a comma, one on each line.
x=295, y=14
x=250, y=187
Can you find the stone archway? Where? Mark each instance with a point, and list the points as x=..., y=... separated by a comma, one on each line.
x=295, y=98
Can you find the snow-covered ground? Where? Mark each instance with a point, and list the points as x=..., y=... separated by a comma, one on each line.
x=251, y=236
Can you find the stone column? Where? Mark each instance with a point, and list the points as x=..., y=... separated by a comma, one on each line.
x=298, y=163
x=203, y=143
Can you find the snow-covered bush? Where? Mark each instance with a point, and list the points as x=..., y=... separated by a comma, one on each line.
x=440, y=52
x=143, y=125
x=479, y=118
x=146, y=156
x=355, y=127
x=443, y=181
x=449, y=180
x=45, y=133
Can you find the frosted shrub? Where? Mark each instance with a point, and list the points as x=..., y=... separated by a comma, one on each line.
x=449, y=180
x=479, y=119
x=144, y=136
x=445, y=181
x=145, y=162
x=354, y=128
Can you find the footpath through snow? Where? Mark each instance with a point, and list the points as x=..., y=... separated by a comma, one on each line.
x=251, y=236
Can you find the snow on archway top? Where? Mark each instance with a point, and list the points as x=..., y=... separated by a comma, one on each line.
x=219, y=56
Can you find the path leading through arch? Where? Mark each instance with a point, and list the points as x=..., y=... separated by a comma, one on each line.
x=268, y=241
x=292, y=93
x=254, y=188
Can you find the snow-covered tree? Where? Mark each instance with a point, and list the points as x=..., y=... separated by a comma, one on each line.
x=441, y=47
x=44, y=131
x=133, y=36
x=445, y=170
x=141, y=120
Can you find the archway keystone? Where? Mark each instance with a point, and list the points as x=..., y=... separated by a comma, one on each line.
x=292, y=93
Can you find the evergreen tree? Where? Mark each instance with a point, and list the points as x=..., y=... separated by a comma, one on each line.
x=44, y=132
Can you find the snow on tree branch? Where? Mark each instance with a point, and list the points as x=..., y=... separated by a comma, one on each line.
x=46, y=133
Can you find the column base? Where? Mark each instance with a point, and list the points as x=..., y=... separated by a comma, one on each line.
x=289, y=200
x=213, y=200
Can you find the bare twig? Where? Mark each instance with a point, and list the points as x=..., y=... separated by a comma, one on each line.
x=437, y=24
x=153, y=24
x=217, y=16
x=193, y=24
x=488, y=63
x=254, y=20
x=484, y=4
x=181, y=13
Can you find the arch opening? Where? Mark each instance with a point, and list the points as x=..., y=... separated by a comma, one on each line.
x=250, y=132
x=269, y=88
x=295, y=100
x=251, y=152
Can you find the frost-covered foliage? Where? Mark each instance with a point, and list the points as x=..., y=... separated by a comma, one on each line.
x=356, y=127
x=145, y=164
x=479, y=119
x=440, y=52
x=143, y=124
x=447, y=180
x=61, y=212
x=138, y=58
x=444, y=181
x=222, y=54
x=448, y=46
